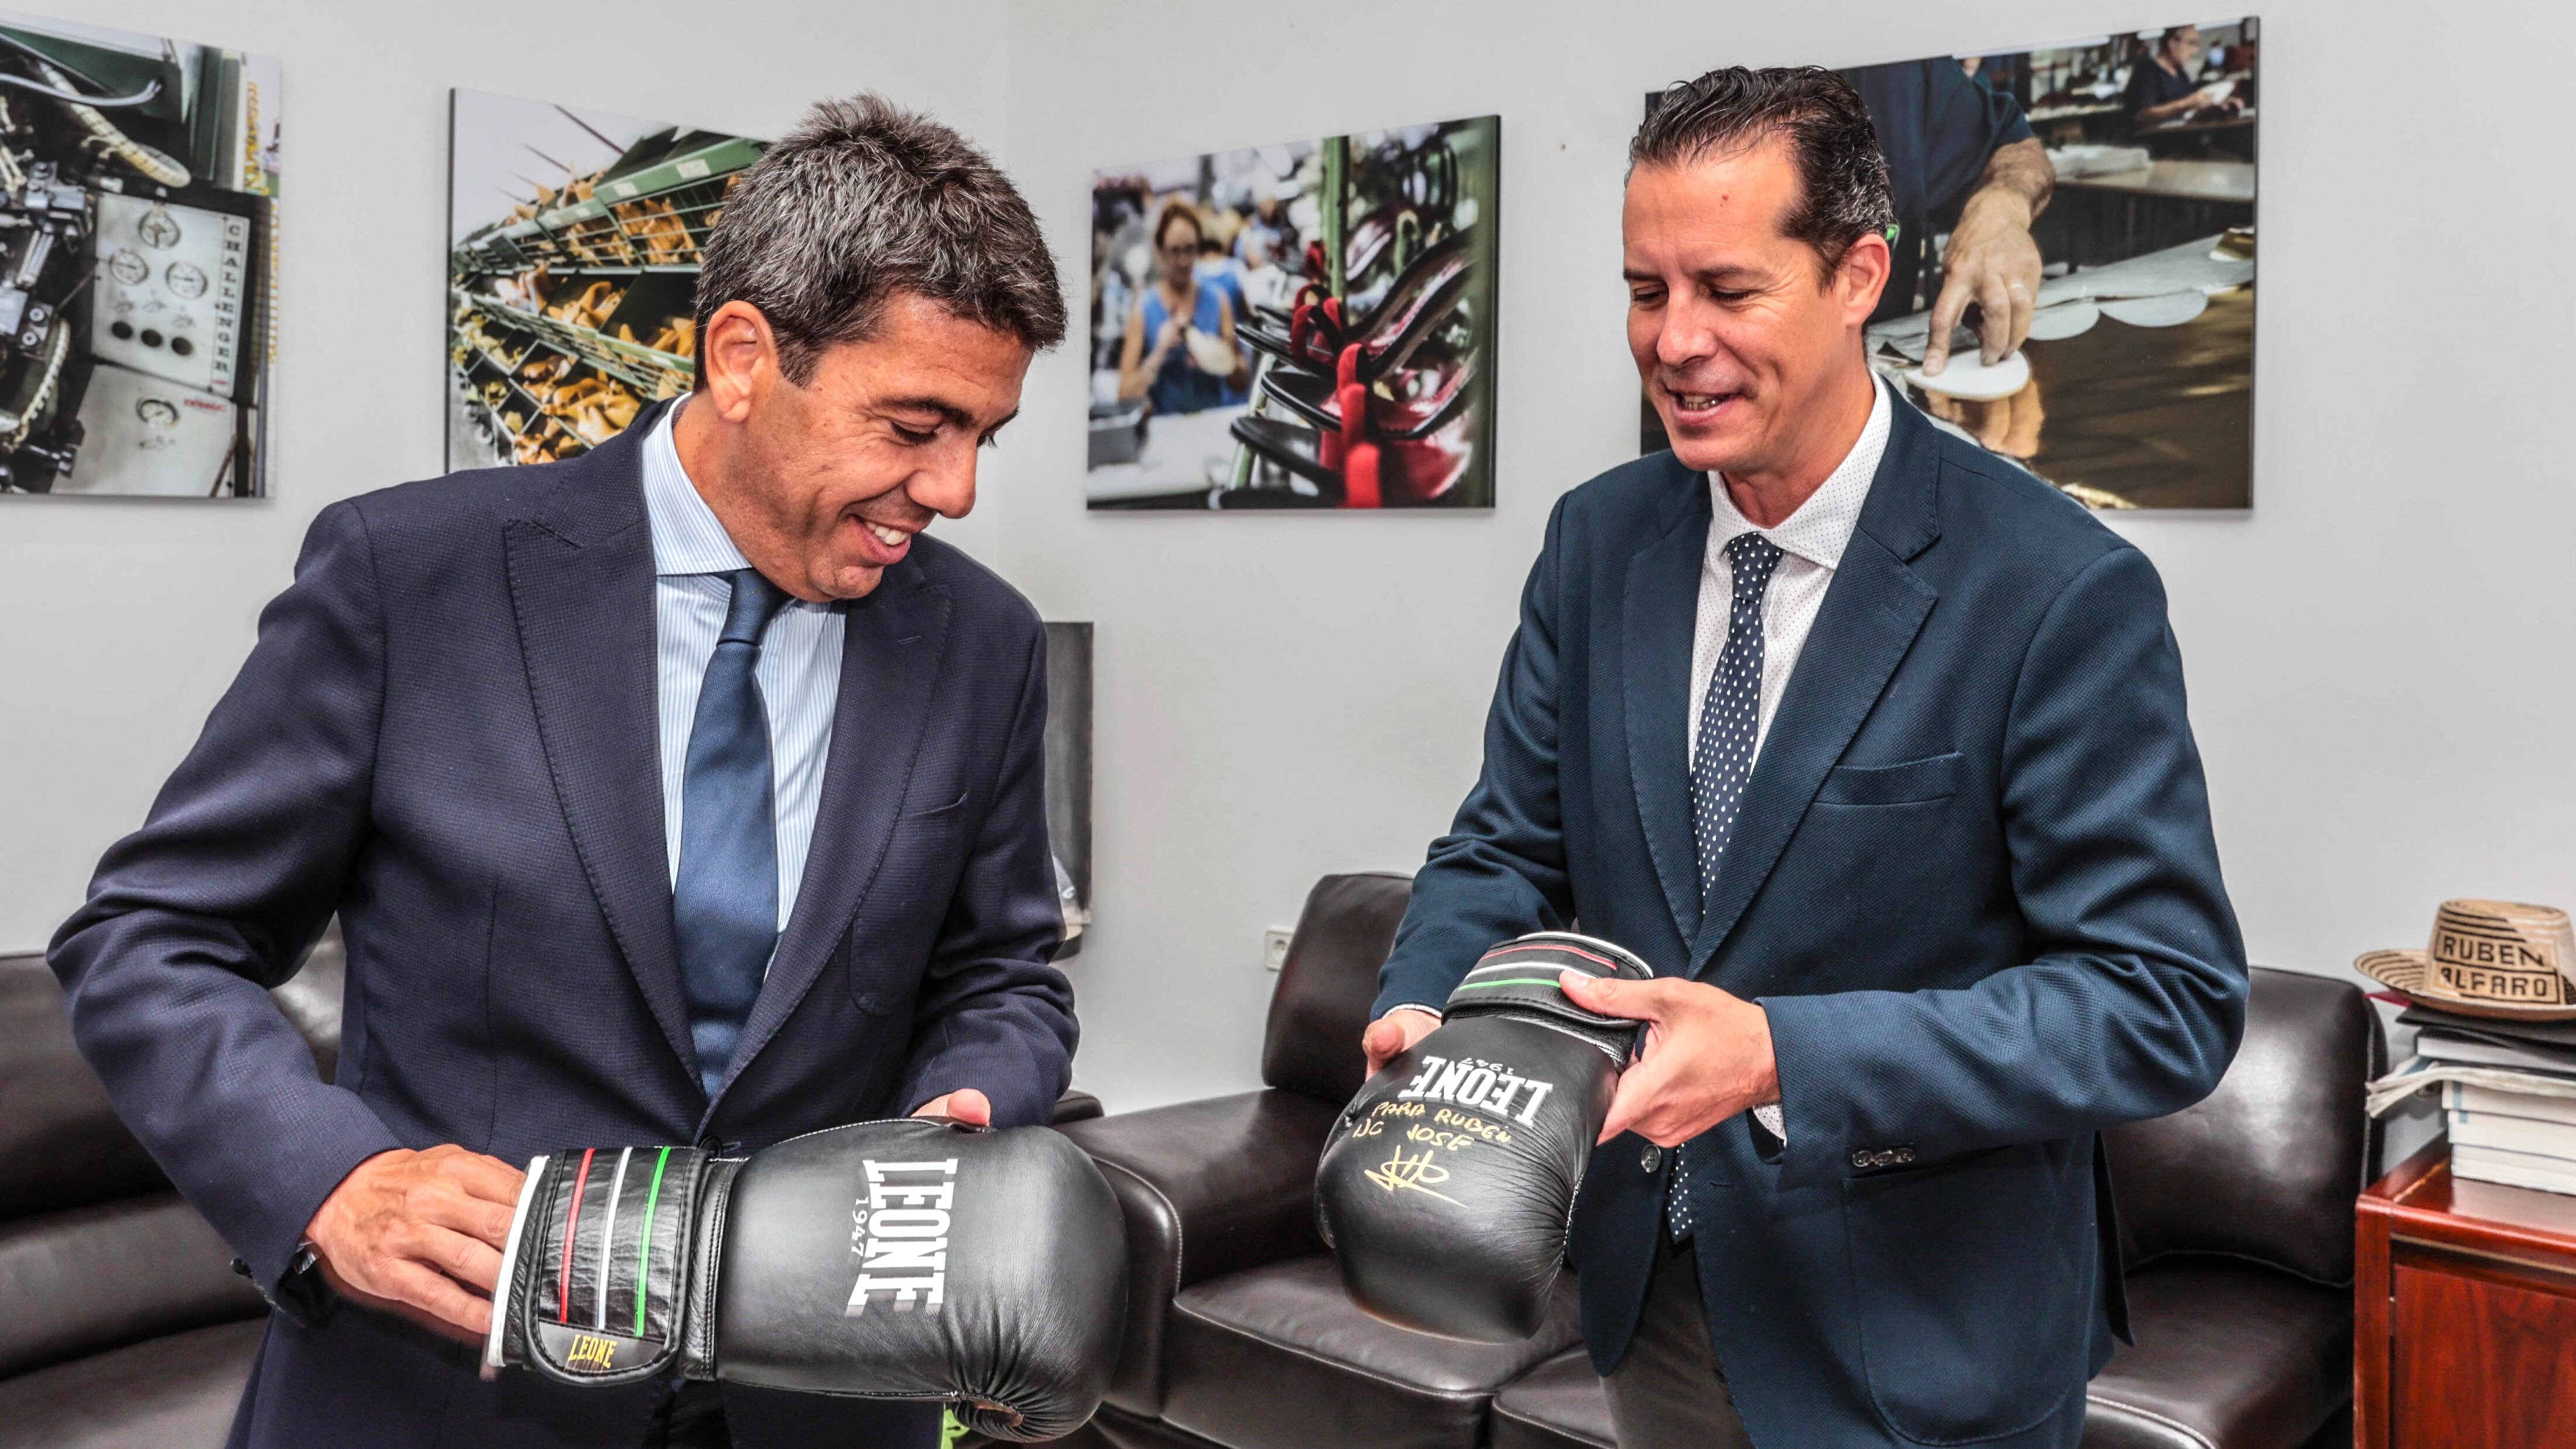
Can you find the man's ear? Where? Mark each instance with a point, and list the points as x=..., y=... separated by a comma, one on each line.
x=737, y=359
x=1862, y=276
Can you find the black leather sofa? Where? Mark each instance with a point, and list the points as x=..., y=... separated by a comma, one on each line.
x=122, y=1325
x=2237, y=1218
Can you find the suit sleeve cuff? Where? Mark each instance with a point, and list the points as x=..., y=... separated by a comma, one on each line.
x=1806, y=1037
x=303, y=1181
x=1415, y=993
x=1019, y=1100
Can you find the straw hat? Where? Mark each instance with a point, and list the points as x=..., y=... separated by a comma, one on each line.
x=2487, y=958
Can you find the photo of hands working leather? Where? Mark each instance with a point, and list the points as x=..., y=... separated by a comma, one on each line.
x=709, y=854
x=2042, y=193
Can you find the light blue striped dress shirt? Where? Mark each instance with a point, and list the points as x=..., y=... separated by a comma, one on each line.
x=800, y=661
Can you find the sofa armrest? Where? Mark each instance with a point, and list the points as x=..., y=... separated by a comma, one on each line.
x=1207, y=1188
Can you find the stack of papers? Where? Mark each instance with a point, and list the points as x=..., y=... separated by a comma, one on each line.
x=2073, y=161
x=2508, y=1096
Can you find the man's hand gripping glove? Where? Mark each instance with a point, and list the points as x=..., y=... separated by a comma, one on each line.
x=910, y=1259
x=1448, y=1184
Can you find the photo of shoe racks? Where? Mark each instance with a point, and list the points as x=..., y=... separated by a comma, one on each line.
x=573, y=268
x=1307, y=325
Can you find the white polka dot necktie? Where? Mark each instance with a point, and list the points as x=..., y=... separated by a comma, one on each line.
x=1729, y=720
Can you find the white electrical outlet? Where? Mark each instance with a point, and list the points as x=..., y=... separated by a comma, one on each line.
x=1274, y=947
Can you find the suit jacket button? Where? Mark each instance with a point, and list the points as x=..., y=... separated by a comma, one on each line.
x=1882, y=1158
x=1652, y=1159
x=1904, y=1155
x=1861, y=1158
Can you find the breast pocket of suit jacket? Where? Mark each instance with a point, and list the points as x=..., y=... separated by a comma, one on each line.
x=1925, y=781
x=900, y=918
x=1973, y=1279
x=1889, y=840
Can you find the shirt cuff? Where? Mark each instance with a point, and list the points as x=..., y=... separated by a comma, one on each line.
x=1430, y=1011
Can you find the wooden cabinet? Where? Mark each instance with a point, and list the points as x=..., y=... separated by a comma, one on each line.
x=2464, y=1313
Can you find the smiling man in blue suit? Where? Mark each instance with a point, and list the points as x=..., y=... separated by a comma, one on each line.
x=681, y=792
x=1874, y=747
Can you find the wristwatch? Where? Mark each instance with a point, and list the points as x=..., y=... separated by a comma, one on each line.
x=301, y=1294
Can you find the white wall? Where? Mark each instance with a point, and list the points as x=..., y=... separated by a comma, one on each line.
x=2378, y=655
x=121, y=620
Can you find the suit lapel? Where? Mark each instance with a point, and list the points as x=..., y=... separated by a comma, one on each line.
x=892, y=646
x=581, y=584
x=1660, y=609
x=1872, y=611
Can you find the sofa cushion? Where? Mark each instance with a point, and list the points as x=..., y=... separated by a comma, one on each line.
x=1326, y=986
x=164, y=1393
x=95, y=1277
x=1278, y=1358
x=2266, y=1167
x=1112, y=1428
x=1558, y=1405
x=61, y=1140
x=1207, y=1188
x=311, y=998
x=2229, y=1356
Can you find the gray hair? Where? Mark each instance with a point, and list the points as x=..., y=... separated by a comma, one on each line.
x=1842, y=175
x=863, y=201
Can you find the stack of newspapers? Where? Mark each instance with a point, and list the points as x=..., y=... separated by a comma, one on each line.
x=2508, y=1095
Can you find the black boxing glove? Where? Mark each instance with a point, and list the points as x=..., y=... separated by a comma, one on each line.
x=1447, y=1186
x=909, y=1259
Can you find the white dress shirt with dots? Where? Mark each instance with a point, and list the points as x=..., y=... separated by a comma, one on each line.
x=1811, y=543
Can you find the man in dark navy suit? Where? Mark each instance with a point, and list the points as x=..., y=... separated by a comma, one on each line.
x=1874, y=746
x=679, y=793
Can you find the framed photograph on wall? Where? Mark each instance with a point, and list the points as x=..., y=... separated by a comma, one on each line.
x=2133, y=386
x=1068, y=774
x=573, y=240
x=1307, y=325
x=138, y=195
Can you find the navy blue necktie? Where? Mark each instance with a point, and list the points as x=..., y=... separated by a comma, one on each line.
x=1729, y=724
x=725, y=903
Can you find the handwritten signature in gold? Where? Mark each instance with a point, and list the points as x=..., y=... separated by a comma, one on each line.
x=1415, y=1174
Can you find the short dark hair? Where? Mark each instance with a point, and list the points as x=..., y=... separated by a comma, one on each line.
x=1177, y=210
x=1842, y=174
x=865, y=200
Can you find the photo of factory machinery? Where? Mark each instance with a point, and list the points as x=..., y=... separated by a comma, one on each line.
x=573, y=270
x=138, y=189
